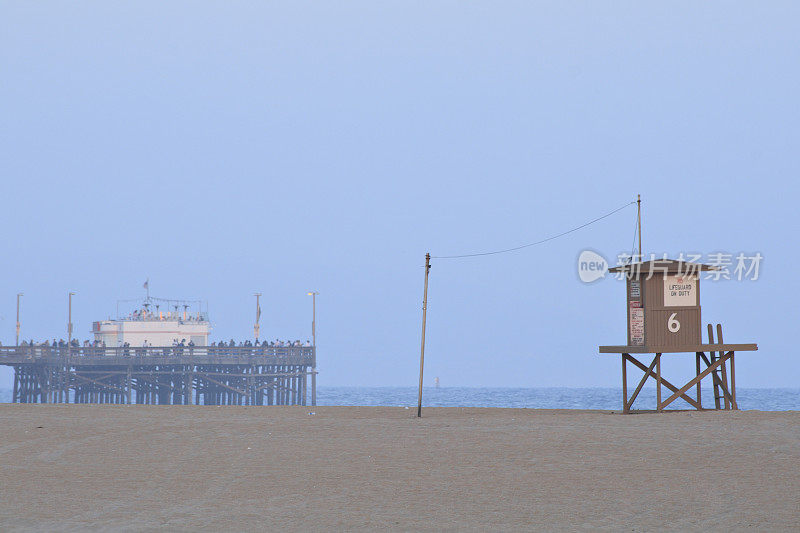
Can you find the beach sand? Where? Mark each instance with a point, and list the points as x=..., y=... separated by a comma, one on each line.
x=69, y=467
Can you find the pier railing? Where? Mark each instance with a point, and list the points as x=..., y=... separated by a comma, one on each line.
x=229, y=354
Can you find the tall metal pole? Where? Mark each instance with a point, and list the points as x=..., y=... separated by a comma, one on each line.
x=69, y=324
x=422, y=348
x=17, y=341
x=314, y=319
x=639, y=219
x=313, y=295
x=257, y=327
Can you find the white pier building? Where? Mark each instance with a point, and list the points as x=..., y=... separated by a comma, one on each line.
x=143, y=327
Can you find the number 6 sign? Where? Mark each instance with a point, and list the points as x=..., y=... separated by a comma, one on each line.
x=672, y=324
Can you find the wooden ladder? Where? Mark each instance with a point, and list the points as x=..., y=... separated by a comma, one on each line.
x=720, y=374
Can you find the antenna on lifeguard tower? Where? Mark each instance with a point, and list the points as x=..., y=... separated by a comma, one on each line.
x=639, y=222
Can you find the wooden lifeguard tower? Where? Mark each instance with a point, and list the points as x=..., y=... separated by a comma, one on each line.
x=663, y=308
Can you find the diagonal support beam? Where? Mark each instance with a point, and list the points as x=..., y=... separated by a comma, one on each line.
x=718, y=381
x=647, y=374
x=691, y=401
x=223, y=385
x=96, y=382
x=693, y=382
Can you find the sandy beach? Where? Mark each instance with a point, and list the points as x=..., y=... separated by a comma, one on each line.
x=75, y=467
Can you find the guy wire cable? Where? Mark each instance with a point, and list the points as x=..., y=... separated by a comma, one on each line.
x=633, y=244
x=537, y=242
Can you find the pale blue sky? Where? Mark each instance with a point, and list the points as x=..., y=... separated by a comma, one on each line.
x=226, y=148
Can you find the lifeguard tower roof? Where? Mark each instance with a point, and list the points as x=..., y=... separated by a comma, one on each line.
x=668, y=266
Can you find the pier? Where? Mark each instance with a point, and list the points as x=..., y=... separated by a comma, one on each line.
x=173, y=375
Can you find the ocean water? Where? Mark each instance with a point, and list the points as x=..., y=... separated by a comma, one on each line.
x=544, y=398
x=533, y=398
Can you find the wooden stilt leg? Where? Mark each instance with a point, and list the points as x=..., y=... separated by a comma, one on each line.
x=648, y=371
x=129, y=385
x=723, y=367
x=713, y=359
x=313, y=386
x=733, y=384
x=658, y=382
x=699, y=388
x=305, y=385
x=624, y=383
x=16, y=385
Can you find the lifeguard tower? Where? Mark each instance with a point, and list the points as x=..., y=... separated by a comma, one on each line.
x=663, y=313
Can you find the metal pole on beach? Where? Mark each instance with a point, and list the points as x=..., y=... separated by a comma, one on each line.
x=422, y=348
x=17, y=341
x=257, y=327
x=313, y=295
x=69, y=323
